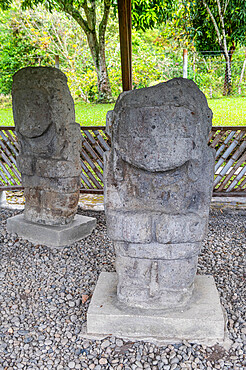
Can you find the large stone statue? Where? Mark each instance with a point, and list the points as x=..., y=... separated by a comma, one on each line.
x=49, y=158
x=158, y=187
x=50, y=142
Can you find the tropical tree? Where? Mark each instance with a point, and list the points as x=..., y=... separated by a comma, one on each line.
x=219, y=26
x=93, y=16
x=55, y=34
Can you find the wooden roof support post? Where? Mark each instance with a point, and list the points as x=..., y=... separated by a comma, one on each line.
x=125, y=24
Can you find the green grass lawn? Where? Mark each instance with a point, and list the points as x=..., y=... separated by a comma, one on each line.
x=92, y=114
x=6, y=117
x=226, y=112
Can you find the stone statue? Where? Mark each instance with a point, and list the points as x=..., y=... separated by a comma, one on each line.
x=158, y=187
x=50, y=142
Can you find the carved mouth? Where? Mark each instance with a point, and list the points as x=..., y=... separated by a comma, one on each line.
x=36, y=135
x=163, y=170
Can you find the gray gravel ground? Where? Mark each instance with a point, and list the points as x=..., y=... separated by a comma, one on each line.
x=42, y=311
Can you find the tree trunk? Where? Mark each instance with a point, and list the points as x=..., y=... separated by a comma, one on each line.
x=96, y=42
x=227, y=80
x=99, y=59
x=221, y=35
x=241, y=76
x=104, y=88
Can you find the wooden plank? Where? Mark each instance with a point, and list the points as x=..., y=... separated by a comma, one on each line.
x=91, y=128
x=90, y=175
x=13, y=138
x=232, y=160
x=211, y=136
x=240, y=187
x=90, y=136
x=86, y=145
x=243, y=128
x=7, y=151
x=232, y=172
x=94, y=143
x=10, y=160
x=7, y=128
x=84, y=153
x=11, y=187
x=124, y=11
x=228, y=146
x=86, y=181
x=100, y=164
x=7, y=177
x=239, y=177
x=87, y=172
x=10, y=143
x=230, y=194
x=224, y=145
x=3, y=178
x=12, y=168
x=101, y=140
x=92, y=191
x=217, y=138
x=92, y=165
x=86, y=158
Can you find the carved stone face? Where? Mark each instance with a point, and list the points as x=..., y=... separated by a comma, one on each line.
x=32, y=112
x=157, y=138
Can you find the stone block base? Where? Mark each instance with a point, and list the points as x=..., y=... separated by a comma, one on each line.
x=201, y=321
x=52, y=236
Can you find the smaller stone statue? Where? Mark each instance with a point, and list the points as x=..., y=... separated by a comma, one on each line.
x=50, y=142
x=49, y=159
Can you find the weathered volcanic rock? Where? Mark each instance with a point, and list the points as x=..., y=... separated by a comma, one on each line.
x=158, y=187
x=50, y=142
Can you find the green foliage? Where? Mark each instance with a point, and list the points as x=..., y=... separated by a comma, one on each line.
x=5, y=4
x=201, y=29
x=217, y=27
x=55, y=34
x=13, y=50
x=157, y=54
x=16, y=51
x=147, y=14
x=92, y=17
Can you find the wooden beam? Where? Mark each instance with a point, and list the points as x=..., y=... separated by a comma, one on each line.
x=124, y=12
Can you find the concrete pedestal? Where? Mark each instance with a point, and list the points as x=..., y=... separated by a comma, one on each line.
x=3, y=199
x=202, y=321
x=53, y=236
